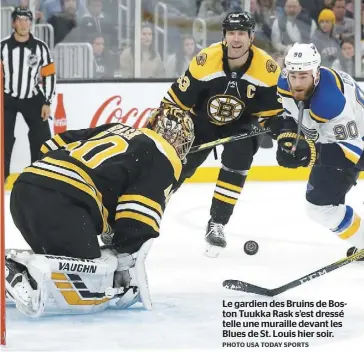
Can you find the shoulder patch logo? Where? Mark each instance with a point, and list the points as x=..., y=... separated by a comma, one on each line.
x=271, y=66
x=201, y=59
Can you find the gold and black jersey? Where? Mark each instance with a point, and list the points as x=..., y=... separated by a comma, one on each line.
x=210, y=90
x=122, y=175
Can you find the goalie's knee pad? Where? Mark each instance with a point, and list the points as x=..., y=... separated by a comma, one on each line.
x=71, y=285
x=340, y=219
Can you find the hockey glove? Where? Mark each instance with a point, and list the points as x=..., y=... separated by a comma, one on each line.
x=275, y=124
x=304, y=155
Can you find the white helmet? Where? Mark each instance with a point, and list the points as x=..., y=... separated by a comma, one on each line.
x=303, y=57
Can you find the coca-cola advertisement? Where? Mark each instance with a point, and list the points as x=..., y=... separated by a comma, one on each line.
x=60, y=117
x=111, y=110
x=90, y=105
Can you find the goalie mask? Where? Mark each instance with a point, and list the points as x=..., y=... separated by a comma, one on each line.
x=176, y=127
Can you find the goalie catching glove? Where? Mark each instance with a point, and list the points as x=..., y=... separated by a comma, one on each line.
x=304, y=155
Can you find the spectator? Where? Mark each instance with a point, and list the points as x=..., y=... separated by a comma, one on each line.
x=254, y=7
x=267, y=11
x=232, y=5
x=345, y=62
x=52, y=7
x=264, y=13
x=104, y=64
x=294, y=26
x=344, y=26
x=178, y=62
x=327, y=45
x=280, y=5
x=38, y=15
x=349, y=9
x=212, y=11
x=65, y=22
x=328, y=4
x=95, y=21
x=151, y=62
x=314, y=7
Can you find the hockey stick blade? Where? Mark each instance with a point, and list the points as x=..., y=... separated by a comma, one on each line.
x=246, y=287
x=208, y=145
x=250, y=288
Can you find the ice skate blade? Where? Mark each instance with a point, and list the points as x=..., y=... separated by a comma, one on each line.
x=213, y=251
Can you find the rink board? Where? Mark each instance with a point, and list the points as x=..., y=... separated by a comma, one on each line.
x=93, y=104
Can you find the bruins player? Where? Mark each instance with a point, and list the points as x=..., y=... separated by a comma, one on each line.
x=111, y=178
x=228, y=87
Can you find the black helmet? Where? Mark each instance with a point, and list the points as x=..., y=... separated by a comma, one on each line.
x=241, y=20
x=21, y=12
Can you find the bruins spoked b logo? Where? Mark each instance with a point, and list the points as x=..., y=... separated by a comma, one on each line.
x=224, y=108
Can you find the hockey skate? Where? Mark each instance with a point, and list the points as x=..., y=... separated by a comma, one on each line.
x=215, y=239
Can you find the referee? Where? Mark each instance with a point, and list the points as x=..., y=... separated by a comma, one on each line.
x=25, y=60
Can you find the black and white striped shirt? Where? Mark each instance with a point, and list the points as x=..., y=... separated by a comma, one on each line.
x=24, y=64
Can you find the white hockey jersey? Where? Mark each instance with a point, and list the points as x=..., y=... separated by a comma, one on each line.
x=333, y=116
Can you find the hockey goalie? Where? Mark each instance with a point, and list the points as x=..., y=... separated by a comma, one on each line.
x=112, y=180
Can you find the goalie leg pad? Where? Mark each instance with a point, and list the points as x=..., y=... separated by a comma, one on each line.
x=73, y=285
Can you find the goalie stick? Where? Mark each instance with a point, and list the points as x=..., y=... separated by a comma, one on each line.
x=250, y=288
x=255, y=132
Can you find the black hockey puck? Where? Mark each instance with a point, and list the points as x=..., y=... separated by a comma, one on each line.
x=251, y=247
x=351, y=251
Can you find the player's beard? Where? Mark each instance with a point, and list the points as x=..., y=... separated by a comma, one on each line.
x=303, y=94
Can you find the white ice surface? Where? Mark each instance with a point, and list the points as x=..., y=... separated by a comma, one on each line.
x=187, y=287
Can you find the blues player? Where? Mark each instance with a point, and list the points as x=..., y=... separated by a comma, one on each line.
x=331, y=140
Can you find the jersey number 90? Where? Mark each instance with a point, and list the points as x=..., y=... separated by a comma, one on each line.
x=350, y=131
